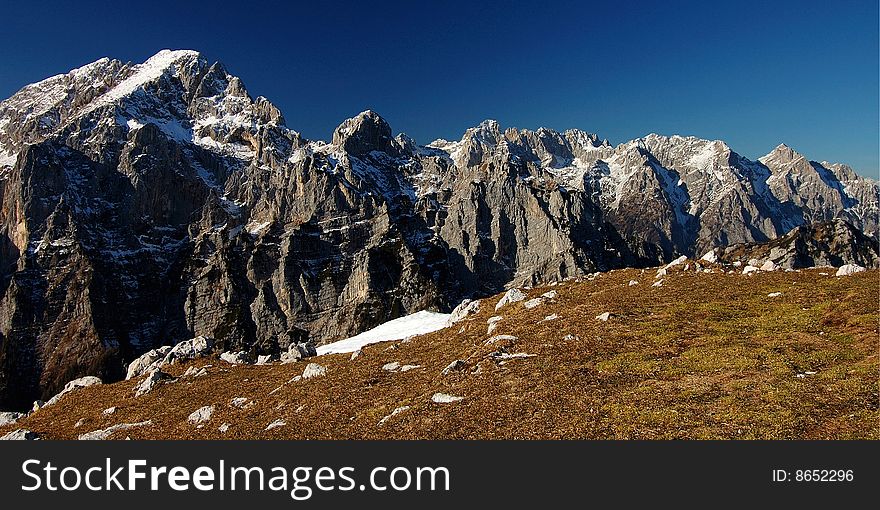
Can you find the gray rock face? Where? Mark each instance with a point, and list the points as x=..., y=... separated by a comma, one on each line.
x=365, y=133
x=832, y=243
x=150, y=204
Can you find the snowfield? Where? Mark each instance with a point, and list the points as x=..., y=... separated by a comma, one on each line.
x=419, y=323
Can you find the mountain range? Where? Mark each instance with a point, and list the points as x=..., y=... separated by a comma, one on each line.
x=145, y=204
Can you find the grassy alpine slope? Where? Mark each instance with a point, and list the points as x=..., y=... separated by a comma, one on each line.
x=702, y=356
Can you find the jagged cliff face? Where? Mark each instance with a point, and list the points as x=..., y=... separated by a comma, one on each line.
x=145, y=204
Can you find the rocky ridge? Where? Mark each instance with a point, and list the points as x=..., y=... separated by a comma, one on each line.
x=147, y=204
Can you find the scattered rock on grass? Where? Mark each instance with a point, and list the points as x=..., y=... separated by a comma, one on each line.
x=100, y=435
x=444, y=398
x=201, y=415
x=511, y=296
x=296, y=352
x=395, y=412
x=20, y=435
x=394, y=366
x=676, y=262
x=82, y=382
x=465, y=308
x=500, y=338
x=314, y=370
x=504, y=357
x=235, y=358
x=455, y=366
x=143, y=363
x=493, y=323
x=239, y=402
x=195, y=372
x=275, y=424
x=153, y=379
x=265, y=359
x=768, y=266
x=532, y=303
x=8, y=418
x=848, y=269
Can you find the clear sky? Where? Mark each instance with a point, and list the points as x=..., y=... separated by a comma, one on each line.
x=751, y=73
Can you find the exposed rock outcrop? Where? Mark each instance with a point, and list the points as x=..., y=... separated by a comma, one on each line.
x=153, y=379
x=832, y=243
x=145, y=362
x=82, y=382
x=103, y=434
x=19, y=435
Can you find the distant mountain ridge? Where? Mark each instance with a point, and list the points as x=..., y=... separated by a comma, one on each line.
x=146, y=204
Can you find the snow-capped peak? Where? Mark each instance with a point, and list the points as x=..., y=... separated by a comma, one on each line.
x=142, y=74
x=486, y=133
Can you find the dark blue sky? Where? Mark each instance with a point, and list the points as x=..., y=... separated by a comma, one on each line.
x=750, y=73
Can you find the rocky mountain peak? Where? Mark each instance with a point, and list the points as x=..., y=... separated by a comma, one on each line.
x=364, y=133
x=406, y=143
x=485, y=135
x=781, y=155
x=578, y=137
x=487, y=131
x=158, y=88
x=843, y=172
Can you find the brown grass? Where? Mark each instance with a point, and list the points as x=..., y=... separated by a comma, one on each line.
x=704, y=356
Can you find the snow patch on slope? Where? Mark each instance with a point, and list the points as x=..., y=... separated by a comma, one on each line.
x=7, y=159
x=419, y=323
